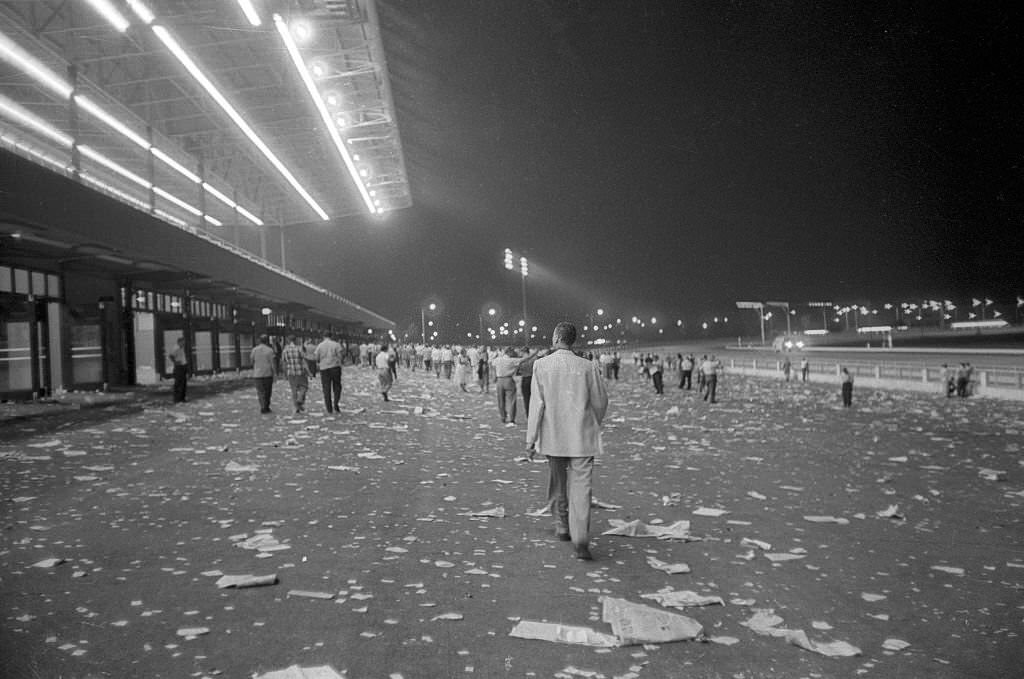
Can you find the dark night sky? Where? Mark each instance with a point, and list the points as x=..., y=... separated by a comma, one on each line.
x=670, y=158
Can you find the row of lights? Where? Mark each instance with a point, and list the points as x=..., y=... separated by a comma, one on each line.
x=112, y=14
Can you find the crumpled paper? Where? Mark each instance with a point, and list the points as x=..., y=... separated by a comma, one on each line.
x=765, y=622
x=683, y=598
x=680, y=530
x=670, y=568
x=240, y=581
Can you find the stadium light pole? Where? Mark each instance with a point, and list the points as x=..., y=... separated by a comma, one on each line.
x=524, y=270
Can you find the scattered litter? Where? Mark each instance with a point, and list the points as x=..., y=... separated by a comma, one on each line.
x=240, y=581
x=891, y=512
x=48, y=563
x=296, y=672
x=992, y=474
x=894, y=644
x=448, y=616
x=765, y=622
x=750, y=542
x=235, y=468
x=778, y=557
x=564, y=634
x=670, y=568
x=952, y=570
x=309, y=594
x=193, y=632
x=827, y=519
x=680, y=530
x=683, y=598
x=708, y=511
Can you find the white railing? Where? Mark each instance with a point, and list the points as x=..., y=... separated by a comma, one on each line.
x=1006, y=383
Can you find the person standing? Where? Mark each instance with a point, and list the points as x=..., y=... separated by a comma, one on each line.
x=805, y=368
x=328, y=361
x=564, y=424
x=179, y=359
x=525, y=372
x=686, y=372
x=657, y=368
x=309, y=354
x=847, y=387
x=263, y=359
x=384, y=374
x=293, y=359
x=710, y=369
x=787, y=367
x=483, y=371
x=505, y=367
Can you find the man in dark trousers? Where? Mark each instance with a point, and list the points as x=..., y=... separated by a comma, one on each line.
x=569, y=402
x=180, y=360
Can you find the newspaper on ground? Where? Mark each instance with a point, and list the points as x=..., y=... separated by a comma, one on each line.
x=680, y=530
x=765, y=622
x=632, y=624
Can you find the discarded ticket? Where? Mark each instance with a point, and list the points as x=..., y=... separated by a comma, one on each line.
x=670, y=568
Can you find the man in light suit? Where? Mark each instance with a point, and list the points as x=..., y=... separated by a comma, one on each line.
x=568, y=404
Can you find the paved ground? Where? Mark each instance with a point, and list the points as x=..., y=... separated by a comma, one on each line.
x=145, y=512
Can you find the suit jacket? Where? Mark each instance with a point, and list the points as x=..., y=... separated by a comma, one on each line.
x=568, y=404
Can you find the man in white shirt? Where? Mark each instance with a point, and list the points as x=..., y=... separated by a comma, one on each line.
x=569, y=402
x=328, y=358
x=711, y=367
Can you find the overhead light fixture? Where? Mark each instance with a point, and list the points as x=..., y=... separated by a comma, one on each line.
x=16, y=56
x=93, y=109
x=332, y=130
x=177, y=201
x=250, y=12
x=142, y=11
x=168, y=40
x=92, y=154
x=21, y=115
x=107, y=10
x=182, y=170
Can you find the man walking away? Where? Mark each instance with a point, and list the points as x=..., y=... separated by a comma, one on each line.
x=179, y=357
x=710, y=369
x=569, y=403
x=263, y=359
x=328, y=360
x=293, y=357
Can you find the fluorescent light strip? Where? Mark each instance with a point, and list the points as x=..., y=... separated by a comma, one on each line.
x=94, y=110
x=213, y=220
x=16, y=56
x=168, y=217
x=110, y=13
x=250, y=12
x=321, y=107
x=92, y=154
x=220, y=196
x=182, y=170
x=177, y=201
x=250, y=216
x=128, y=198
x=21, y=115
x=200, y=77
x=142, y=12
x=56, y=163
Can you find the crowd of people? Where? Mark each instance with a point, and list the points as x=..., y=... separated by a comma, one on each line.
x=564, y=393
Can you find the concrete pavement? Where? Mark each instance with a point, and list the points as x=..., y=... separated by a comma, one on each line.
x=372, y=508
